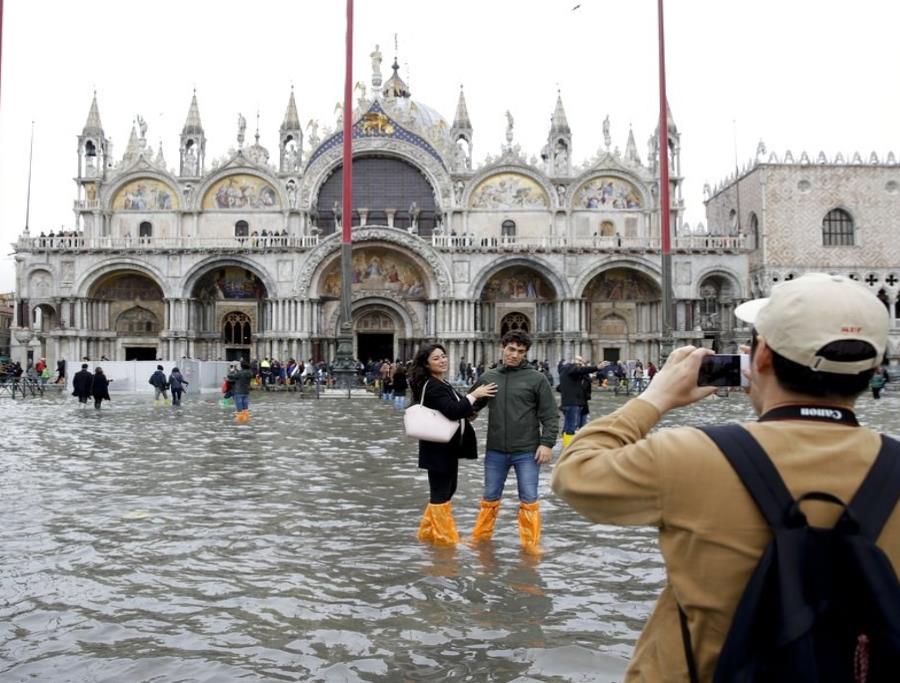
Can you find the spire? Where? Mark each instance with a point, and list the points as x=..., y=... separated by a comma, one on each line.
x=461, y=120
x=93, y=126
x=631, y=152
x=160, y=159
x=291, y=120
x=192, y=124
x=395, y=87
x=558, y=122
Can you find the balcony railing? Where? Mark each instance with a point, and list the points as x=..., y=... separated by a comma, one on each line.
x=79, y=243
x=512, y=243
x=76, y=242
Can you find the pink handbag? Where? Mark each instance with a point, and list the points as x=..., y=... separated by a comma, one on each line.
x=428, y=424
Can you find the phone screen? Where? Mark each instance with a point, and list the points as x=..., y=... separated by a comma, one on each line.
x=720, y=370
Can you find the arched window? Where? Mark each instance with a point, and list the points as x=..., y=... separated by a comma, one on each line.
x=241, y=229
x=607, y=229
x=137, y=321
x=514, y=321
x=837, y=229
x=733, y=220
x=236, y=328
x=754, y=229
x=508, y=229
x=145, y=229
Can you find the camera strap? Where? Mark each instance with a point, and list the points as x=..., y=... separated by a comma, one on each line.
x=817, y=413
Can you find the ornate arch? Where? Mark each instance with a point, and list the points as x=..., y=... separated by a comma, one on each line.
x=238, y=165
x=642, y=265
x=625, y=176
x=109, y=192
x=723, y=272
x=429, y=260
x=198, y=270
x=473, y=183
x=535, y=262
x=87, y=279
x=412, y=327
x=322, y=166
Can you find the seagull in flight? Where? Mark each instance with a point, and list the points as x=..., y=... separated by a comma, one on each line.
x=576, y=7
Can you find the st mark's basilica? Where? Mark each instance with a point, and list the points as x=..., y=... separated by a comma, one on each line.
x=239, y=256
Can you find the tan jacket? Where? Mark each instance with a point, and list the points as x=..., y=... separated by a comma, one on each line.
x=711, y=534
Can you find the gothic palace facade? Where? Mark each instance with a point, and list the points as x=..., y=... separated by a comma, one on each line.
x=239, y=257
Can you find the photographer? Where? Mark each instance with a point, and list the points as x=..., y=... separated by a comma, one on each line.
x=816, y=342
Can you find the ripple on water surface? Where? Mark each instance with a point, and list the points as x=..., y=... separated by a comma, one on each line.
x=149, y=543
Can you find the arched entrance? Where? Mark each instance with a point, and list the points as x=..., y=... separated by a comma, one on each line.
x=375, y=333
x=130, y=303
x=519, y=297
x=227, y=307
x=713, y=312
x=623, y=315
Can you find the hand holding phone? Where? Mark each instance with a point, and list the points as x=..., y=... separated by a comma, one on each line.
x=724, y=370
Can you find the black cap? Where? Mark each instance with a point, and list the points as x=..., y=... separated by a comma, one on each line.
x=159, y=367
x=84, y=366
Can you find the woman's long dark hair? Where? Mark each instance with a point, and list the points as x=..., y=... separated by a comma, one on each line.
x=419, y=374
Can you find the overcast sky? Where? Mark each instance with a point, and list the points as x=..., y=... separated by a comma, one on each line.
x=799, y=74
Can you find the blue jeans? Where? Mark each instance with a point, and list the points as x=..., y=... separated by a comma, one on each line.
x=241, y=402
x=496, y=467
x=574, y=418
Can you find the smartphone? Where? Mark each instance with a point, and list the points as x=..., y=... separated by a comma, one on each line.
x=723, y=370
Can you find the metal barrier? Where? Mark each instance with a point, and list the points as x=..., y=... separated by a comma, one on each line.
x=25, y=388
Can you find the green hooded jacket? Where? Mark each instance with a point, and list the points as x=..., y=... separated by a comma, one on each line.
x=523, y=415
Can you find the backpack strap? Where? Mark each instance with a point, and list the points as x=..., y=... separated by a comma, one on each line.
x=755, y=470
x=762, y=481
x=879, y=492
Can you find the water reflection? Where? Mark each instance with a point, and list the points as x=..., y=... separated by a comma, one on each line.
x=155, y=543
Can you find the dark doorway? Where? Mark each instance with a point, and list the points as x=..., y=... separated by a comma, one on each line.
x=237, y=354
x=374, y=346
x=611, y=354
x=140, y=353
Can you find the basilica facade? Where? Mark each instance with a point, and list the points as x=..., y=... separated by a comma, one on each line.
x=239, y=256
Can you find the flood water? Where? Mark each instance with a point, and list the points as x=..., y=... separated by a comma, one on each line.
x=148, y=543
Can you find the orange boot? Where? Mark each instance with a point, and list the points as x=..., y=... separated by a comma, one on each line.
x=438, y=526
x=484, y=525
x=530, y=527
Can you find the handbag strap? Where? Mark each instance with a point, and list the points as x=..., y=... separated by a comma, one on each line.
x=422, y=399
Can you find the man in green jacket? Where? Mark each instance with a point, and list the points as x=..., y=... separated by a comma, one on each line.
x=523, y=422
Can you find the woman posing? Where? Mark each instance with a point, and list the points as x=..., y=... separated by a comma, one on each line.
x=442, y=459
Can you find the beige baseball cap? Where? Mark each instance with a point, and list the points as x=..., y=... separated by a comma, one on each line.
x=807, y=313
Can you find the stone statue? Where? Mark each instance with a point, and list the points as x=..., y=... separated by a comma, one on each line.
x=607, y=139
x=142, y=125
x=760, y=149
x=313, y=128
x=509, y=127
x=360, y=87
x=292, y=194
x=242, y=126
x=376, y=64
x=459, y=188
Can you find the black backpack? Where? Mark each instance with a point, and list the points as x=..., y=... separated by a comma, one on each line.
x=822, y=605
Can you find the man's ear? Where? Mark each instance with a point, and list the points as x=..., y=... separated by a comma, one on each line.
x=762, y=356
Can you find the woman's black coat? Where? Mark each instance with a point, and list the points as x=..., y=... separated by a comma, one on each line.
x=443, y=456
x=100, y=390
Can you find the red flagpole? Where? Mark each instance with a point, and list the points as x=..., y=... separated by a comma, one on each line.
x=347, y=213
x=666, y=220
x=1, y=39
